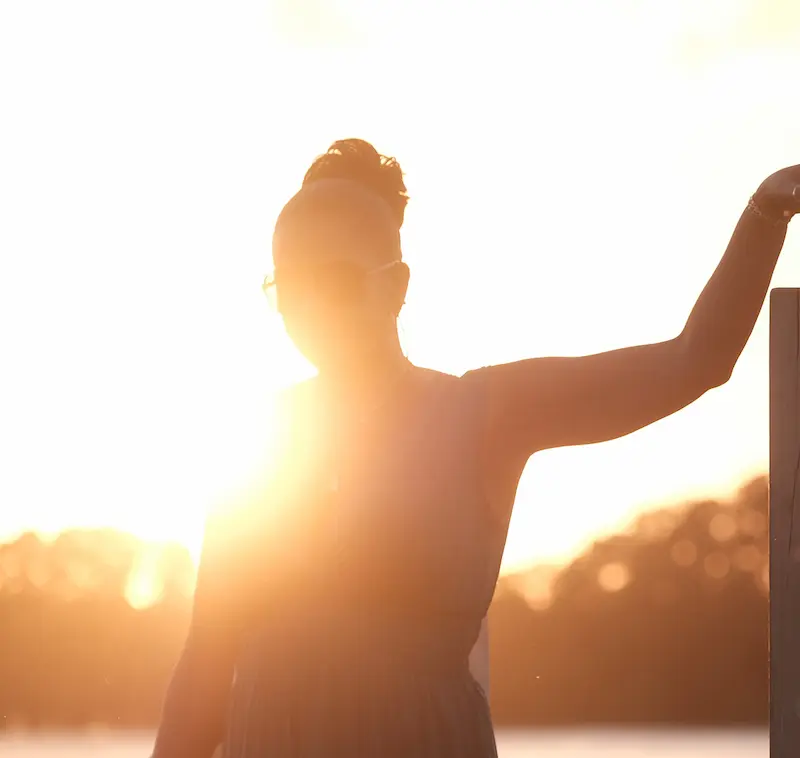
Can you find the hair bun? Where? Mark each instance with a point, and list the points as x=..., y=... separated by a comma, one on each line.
x=358, y=161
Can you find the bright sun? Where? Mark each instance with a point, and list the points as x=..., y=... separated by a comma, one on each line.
x=235, y=441
x=145, y=358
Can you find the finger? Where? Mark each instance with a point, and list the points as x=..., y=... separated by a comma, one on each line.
x=794, y=205
x=787, y=195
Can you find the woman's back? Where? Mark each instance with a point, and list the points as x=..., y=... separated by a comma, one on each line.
x=376, y=570
x=348, y=612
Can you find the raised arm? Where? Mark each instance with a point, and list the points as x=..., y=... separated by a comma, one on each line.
x=552, y=402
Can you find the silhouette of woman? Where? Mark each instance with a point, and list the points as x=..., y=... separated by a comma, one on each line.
x=335, y=613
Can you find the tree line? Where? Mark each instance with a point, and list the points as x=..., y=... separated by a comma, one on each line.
x=665, y=623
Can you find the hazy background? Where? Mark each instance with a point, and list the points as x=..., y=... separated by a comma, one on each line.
x=575, y=165
x=572, y=165
x=663, y=624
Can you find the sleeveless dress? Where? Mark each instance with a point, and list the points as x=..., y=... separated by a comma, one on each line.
x=362, y=598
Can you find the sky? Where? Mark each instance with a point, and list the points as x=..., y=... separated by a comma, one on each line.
x=573, y=165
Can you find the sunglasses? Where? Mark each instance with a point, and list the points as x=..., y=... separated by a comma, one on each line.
x=340, y=283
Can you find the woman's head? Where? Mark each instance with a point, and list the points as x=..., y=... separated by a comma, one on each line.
x=339, y=278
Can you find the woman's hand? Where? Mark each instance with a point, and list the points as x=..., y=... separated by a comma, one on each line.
x=778, y=197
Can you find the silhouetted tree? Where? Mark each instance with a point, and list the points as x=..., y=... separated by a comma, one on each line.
x=666, y=622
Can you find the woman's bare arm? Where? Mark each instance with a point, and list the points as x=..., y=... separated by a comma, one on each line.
x=552, y=402
x=195, y=707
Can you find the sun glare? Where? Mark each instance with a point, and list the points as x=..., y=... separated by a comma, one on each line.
x=573, y=179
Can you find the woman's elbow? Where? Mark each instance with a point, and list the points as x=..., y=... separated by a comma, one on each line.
x=703, y=370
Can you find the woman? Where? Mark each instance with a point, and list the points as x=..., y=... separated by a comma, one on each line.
x=335, y=615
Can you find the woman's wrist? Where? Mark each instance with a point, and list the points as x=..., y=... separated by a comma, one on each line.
x=778, y=197
x=767, y=212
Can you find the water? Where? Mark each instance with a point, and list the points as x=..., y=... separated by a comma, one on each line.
x=522, y=744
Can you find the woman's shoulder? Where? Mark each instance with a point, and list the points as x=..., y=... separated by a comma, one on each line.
x=470, y=375
x=468, y=384
x=446, y=377
x=457, y=390
x=299, y=401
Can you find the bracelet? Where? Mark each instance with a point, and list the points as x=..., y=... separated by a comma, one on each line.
x=756, y=210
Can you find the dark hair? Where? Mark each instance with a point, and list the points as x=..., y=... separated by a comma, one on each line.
x=358, y=161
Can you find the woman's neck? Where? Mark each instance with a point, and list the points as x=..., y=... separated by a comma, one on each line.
x=362, y=384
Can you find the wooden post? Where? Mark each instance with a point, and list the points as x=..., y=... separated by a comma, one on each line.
x=784, y=526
